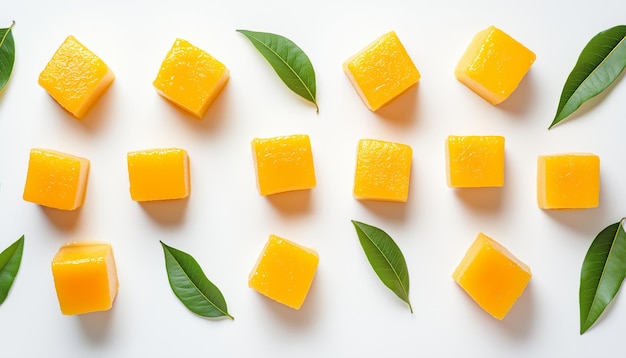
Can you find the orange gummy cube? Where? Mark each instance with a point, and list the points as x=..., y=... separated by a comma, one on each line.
x=159, y=174
x=57, y=180
x=494, y=64
x=383, y=171
x=568, y=181
x=492, y=276
x=284, y=271
x=475, y=161
x=85, y=277
x=283, y=164
x=191, y=78
x=75, y=77
x=381, y=71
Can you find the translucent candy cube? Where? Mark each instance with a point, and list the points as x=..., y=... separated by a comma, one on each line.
x=75, y=77
x=568, y=181
x=381, y=71
x=191, y=78
x=492, y=276
x=284, y=271
x=159, y=174
x=55, y=179
x=475, y=161
x=383, y=171
x=85, y=277
x=283, y=164
x=494, y=64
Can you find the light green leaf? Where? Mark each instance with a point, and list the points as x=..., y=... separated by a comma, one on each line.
x=602, y=273
x=191, y=285
x=386, y=259
x=10, y=260
x=288, y=60
x=600, y=63
x=7, y=55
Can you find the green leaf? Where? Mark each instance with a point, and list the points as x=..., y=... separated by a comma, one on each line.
x=602, y=274
x=7, y=55
x=600, y=63
x=288, y=60
x=10, y=260
x=386, y=259
x=191, y=286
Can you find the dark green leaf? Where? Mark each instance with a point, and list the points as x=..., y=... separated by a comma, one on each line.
x=10, y=260
x=599, y=64
x=386, y=259
x=289, y=61
x=7, y=55
x=191, y=286
x=602, y=274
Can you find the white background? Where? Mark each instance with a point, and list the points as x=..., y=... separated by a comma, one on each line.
x=225, y=222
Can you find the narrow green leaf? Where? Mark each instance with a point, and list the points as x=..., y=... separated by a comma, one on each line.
x=7, y=55
x=600, y=63
x=10, y=260
x=288, y=60
x=191, y=285
x=386, y=259
x=602, y=273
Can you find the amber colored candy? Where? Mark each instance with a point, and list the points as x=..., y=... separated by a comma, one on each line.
x=383, y=171
x=55, y=179
x=158, y=174
x=492, y=276
x=283, y=164
x=475, y=161
x=381, y=71
x=568, y=181
x=85, y=277
x=284, y=271
x=75, y=77
x=191, y=78
x=494, y=64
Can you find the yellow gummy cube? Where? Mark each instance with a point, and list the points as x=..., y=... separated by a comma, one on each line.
x=283, y=164
x=475, y=161
x=381, y=71
x=158, y=174
x=568, y=181
x=85, y=277
x=55, y=179
x=492, y=276
x=284, y=271
x=191, y=78
x=383, y=171
x=75, y=77
x=494, y=64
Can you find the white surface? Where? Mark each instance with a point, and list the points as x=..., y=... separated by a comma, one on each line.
x=225, y=223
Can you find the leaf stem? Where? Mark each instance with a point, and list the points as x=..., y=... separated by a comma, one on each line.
x=7, y=33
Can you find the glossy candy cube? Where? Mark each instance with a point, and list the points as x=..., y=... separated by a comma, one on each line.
x=492, y=276
x=191, y=78
x=568, y=181
x=283, y=164
x=494, y=64
x=75, y=77
x=381, y=71
x=383, y=171
x=85, y=277
x=55, y=179
x=284, y=271
x=159, y=174
x=475, y=161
